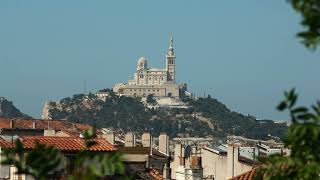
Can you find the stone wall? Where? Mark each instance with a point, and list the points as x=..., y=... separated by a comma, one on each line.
x=214, y=165
x=171, y=90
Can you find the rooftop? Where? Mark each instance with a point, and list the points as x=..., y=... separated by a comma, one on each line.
x=216, y=150
x=141, y=150
x=157, y=69
x=246, y=176
x=18, y=123
x=156, y=175
x=68, y=144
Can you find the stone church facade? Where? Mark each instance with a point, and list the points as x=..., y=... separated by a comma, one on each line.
x=159, y=82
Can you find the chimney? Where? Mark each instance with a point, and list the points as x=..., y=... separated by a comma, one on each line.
x=232, y=158
x=49, y=132
x=130, y=140
x=195, y=161
x=110, y=137
x=166, y=171
x=146, y=139
x=151, y=146
x=164, y=143
x=33, y=125
x=11, y=124
x=177, y=151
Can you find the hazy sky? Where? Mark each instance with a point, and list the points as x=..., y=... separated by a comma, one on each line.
x=244, y=53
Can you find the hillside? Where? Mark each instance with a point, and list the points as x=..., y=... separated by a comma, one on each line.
x=7, y=109
x=207, y=117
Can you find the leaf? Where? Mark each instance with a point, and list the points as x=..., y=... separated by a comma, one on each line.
x=291, y=94
x=316, y=109
x=306, y=116
x=293, y=100
x=299, y=110
x=282, y=106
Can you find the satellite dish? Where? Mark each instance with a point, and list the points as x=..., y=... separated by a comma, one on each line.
x=187, y=151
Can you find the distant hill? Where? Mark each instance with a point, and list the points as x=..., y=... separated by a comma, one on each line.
x=206, y=117
x=7, y=109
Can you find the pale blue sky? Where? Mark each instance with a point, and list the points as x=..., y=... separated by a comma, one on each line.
x=244, y=53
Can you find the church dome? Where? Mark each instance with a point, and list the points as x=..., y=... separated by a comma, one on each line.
x=142, y=63
x=142, y=59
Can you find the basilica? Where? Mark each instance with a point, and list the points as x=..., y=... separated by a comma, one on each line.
x=156, y=81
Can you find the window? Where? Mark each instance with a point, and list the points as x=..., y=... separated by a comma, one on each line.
x=157, y=90
x=148, y=90
x=141, y=76
x=130, y=89
x=139, y=89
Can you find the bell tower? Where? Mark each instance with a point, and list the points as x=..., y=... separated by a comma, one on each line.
x=171, y=64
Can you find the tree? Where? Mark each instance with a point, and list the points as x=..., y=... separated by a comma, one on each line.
x=303, y=139
x=151, y=100
x=303, y=135
x=41, y=162
x=310, y=12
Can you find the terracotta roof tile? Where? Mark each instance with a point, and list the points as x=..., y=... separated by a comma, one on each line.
x=41, y=124
x=63, y=143
x=4, y=123
x=156, y=175
x=5, y=144
x=246, y=176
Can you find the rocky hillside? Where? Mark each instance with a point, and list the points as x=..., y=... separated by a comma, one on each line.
x=7, y=109
x=206, y=117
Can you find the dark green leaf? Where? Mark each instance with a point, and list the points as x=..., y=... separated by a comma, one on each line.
x=282, y=106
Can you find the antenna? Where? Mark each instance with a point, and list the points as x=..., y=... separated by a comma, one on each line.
x=85, y=87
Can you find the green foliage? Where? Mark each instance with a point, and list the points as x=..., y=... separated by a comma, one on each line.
x=235, y=123
x=310, y=12
x=41, y=162
x=7, y=109
x=151, y=100
x=45, y=162
x=129, y=114
x=91, y=96
x=106, y=90
x=303, y=139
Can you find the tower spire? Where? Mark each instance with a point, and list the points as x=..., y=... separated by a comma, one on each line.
x=171, y=51
x=171, y=43
x=171, y=65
